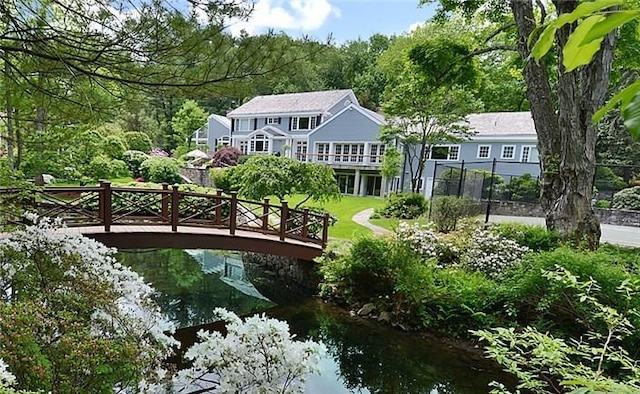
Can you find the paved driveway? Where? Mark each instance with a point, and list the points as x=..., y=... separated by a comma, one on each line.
x=620, y=235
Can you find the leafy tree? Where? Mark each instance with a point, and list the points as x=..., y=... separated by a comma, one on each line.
x=226, y=157
x=265, y=175
x=189, y=118
x=562, y=109
x=136, y=140
x=426, y=109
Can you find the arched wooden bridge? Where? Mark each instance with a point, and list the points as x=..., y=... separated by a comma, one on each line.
x=125, y=217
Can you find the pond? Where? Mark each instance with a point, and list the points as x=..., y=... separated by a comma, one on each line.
x=363, y=356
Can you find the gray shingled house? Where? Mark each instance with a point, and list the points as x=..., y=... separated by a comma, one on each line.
x=331, y=127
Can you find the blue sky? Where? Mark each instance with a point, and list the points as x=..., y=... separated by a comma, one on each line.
x=344, y=19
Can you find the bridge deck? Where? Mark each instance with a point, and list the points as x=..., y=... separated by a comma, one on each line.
x=150, y=236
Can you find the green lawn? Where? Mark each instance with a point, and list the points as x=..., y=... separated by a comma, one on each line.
x=344, y=211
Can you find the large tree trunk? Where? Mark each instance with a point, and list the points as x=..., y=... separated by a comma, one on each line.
x=566, y=137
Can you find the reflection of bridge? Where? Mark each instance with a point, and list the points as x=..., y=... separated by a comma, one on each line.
x=170, y=218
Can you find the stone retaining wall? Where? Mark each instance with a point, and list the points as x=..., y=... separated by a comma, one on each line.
x=619, y=217
x=199, y=176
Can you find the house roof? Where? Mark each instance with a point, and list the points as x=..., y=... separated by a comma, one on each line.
x=502, y=124
x=307, y=102
x=223, y=120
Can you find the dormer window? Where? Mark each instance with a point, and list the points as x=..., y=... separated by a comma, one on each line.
x=303, y=123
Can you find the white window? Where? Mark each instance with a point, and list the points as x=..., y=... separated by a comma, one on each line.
x=484, y=151
x=223, y=141
x=244, y=147
x=449, y=152
x=301, y=150
x=353, y=153
x=243, y=124
x=273, y=120
x=323, y=152
x=259, y=144
x=303, y=123
x=508, y=152
x=529, y=154
x=376, y=151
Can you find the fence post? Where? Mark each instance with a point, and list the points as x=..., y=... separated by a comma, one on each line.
x=284, y=216
x=265, y=215
x=433, y=186
x=107, y=206
x=325, y=230
x=460, y=180
x=218, y=202
x=305, y=223
x=101, y=201
x=493, y=172
x=233, y=213
x=175, y=207
x=165, y=202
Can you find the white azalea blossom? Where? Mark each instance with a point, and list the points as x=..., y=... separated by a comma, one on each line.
x=422, y=239
x=492, y=253
x=6, y=377
x=257, y=355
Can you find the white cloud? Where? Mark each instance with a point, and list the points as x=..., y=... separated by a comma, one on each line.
x=303, y=15
x=415, y=26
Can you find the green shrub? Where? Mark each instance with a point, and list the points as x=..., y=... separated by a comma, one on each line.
x=136, y=140
x=160, y=169
x=540, y=302
x=404, y=206
x=627, y=199
x=606, y=204
x=524, y=188
x=113, y=146
x=103, y=167
x=447, y=210
x=606, y=179
x=134, y=159
x=225, y=179
x=535, y=238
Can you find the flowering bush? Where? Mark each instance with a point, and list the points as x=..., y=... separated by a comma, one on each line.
x=418, y=237
x=492, y=253
x=423, y=240
x=158, y=152
x=258, y=355
x=71, y=317
x=6, y=377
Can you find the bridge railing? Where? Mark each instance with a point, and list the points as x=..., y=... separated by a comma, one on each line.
x=105, y=206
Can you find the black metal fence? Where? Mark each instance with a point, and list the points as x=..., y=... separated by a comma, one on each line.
x=497, y=180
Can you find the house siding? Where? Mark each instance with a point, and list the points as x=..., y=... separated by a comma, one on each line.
x=350, y=126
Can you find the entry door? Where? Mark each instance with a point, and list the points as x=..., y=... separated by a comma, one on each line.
x=346, y=183
x=374, y=184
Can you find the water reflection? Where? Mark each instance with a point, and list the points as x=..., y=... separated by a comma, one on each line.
x=363, y=356
x=192, y=283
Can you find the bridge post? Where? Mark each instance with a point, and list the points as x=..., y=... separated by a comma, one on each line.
x=218, y=202
x=175, y=207
x=284, y=216
x=106, y=205
x=165, y=202
x=233, y=213
x=265, y=215
x=305, y=223
x=325, y=230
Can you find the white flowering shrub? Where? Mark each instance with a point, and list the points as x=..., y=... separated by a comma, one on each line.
x=257, y=355
x=422, y=239
x=492, y=253
x=6, y=377
x=418, y=237
x=73, y=319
